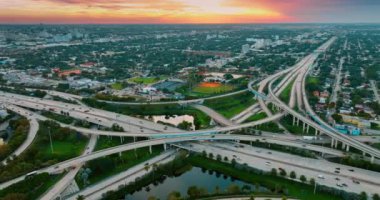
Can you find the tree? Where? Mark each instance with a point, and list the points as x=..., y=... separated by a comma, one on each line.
x=363, y=196
x=233, y=162
x=193, y=192
x=338, y=118
x=293, y=175
x=228, y=76
x=233, y=189
x=282, y=172
x=174, y=196
x=312, y=181
x=225, y=158
x=219, y=158
x=273, y=172
x=210, y=155
x=80, y=197
x=302, y=178
x=204, y=153
x=375, y=197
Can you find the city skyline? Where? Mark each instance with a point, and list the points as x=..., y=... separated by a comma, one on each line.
x=188, y=12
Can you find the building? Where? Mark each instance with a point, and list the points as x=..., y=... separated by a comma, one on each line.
x=69, y=72
x=87, y=64
x=360, y=123
x=245, y=49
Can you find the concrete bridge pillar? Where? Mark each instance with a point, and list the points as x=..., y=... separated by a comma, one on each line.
x=332, y=142
x=303, y=127
x=343, y=145
x=336, y=144
x=372, y=159
x=347, y=147
x=298, y=122
x=307, y=128
x=165, y=147
x=316, y=132
x=121, y=139
x=134, y=139
x=294, y=120
x=150, y=149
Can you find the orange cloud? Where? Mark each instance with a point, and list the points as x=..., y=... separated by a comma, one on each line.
x=142, y=11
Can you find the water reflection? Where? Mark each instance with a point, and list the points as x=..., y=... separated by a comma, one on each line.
x=173, y=119
x=209, y=180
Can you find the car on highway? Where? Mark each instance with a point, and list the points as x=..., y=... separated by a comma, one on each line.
x=356, y=181
x=320, y=176
x=267, y=163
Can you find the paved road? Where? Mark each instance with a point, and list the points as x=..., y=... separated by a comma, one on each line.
x=61, y=185
x=192, y=101
x=112, y=183
x=266, y=159
x=97, y=116
x=146, y=143
x=33, y=129
x=220, y=119
x=375, y=90
x=338, y=81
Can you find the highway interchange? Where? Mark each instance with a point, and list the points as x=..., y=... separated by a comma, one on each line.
x=158, y=134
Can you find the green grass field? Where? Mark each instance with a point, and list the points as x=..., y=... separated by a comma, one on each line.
x=146, y=80
x=65, y=148
x=312, y=80
x=117, y=86
x=285, y=94
x=213, y=90
x=256, y=117
x=231, y=105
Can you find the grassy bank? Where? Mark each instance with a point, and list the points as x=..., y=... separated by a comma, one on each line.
x=231, y=105
x=201, y=120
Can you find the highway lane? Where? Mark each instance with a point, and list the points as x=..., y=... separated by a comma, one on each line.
x=330, y=130
x=112, y=183
x=33, y=129
x=97, y=116
x=266, y=159
x=65, y=181
x=335, y=135
x=163, y=141
x=214, y=115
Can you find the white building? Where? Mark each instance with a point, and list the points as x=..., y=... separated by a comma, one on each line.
x=245, y=48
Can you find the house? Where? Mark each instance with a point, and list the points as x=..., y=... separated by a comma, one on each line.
x=324, y=94
x=322, y=100
x=88, y=64
x=69, y=72
x=316, y=93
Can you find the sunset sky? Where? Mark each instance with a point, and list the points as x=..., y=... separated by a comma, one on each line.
x=188, y=11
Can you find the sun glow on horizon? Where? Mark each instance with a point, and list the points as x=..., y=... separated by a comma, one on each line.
x=166, y=11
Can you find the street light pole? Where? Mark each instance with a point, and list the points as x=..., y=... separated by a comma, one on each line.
x=51, y=142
